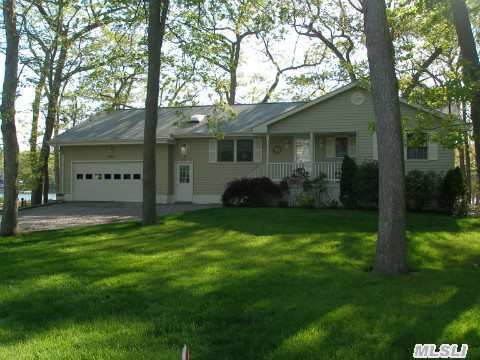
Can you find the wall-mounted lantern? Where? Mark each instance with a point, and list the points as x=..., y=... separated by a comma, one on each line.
x=184, y=149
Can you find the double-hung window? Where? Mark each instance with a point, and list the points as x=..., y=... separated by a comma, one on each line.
x=226, y=150
x=240, y=150
x=417, y=146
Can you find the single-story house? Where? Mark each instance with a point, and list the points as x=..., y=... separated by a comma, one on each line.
x=101, y=159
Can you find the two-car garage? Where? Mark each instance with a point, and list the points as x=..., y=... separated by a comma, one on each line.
x=107, y=181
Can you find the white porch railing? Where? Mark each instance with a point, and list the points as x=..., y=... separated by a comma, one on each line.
x=277, y=171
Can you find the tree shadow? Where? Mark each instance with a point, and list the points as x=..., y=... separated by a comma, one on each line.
x=252, y=283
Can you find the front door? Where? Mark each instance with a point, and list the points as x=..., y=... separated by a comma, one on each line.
x=184, y=181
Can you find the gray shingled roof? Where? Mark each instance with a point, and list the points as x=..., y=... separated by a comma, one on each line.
x=127, y=125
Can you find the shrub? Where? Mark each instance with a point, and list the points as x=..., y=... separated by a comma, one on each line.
x=304, y=191
x=419, y=189
x=251, y=192
x=367, y=185
x=305, y=201
x=452, y=191
x=348, y=183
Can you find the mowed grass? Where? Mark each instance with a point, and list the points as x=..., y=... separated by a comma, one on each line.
x=238, y=284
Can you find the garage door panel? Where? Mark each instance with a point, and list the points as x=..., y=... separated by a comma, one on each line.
x=107, y=181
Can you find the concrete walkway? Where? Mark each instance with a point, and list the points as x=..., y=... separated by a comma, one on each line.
x=59, y=216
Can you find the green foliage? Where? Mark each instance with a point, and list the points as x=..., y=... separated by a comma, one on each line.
x=348, y=183
x=305, y=201
x=451, y=192
x=420, y=189
x=251, y=192
x=367, y=185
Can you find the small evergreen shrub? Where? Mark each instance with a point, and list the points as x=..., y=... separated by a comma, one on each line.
x=452, y=191
x=251, y=192
x=419, y=189
x=367, y=185
x=305, y=201
x=348, y=183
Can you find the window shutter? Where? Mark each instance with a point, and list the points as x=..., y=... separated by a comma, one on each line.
x=352, y=146
x=432, y=149
x=374, y=146
x=257, y=149
x=330, y=147
x=212, y=151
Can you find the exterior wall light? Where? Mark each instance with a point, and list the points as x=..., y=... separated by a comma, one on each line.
x=184, y=149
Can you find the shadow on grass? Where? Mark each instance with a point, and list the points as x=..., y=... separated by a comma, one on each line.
x=233, y=284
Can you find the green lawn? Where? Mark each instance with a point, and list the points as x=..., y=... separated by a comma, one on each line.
x=238, y=284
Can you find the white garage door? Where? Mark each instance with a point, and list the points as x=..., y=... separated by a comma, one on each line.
x=107, y=181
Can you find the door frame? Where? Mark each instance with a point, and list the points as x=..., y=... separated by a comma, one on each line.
x=190, y=163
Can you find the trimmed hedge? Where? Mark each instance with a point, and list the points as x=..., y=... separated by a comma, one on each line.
x=423, y=190
x=348, y=183
x=452, y=191
x=251, y=192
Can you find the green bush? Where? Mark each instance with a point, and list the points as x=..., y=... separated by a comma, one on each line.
x=305, y=201
x=348, y=183
x=452, y=191
x=251, y=192
x=367, y=185
x=419, y=189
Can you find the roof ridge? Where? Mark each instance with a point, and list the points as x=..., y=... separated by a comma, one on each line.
x=210, y=105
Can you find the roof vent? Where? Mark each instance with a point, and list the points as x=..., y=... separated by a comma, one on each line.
x=196, y=119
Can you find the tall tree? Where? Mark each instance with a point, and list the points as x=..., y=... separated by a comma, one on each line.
x=391, y=253
x=471, y=69
x=215, y=32
x=157, y=16
x=9, y=224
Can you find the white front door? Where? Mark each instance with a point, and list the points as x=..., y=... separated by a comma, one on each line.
x=184, y=181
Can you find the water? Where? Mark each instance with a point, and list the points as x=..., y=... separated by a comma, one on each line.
x=27, y=196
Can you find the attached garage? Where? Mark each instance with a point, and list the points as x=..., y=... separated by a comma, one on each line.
x=107, y=181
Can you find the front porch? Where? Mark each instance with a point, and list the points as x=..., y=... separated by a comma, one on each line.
x=315, y=152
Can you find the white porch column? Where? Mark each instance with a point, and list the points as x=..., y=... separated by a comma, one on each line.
x=267, y=155
x=312, y=152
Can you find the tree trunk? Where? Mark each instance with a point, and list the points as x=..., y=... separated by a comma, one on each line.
x=157, y=13
x=234, y=59
x=9, y=224
x=56, y=152
x=54, y=93
x=391, y=253
x=471, y=70
x=36, y=186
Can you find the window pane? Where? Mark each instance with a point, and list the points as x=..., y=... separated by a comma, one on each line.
x=137, y=176
x=88, y=176
x=107, y=176
x=184, y=174
x=417, y=146
x=302, y=150
x=244, y=150
x=341, y=146
x=225, y=150
x=79, y=176
x=97, y=176
x=117, y=176
x=127, y=176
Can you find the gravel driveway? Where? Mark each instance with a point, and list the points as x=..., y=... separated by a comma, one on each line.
x=59, y=216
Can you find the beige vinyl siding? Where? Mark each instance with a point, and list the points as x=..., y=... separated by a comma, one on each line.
x=212, y=178
x=287, y=144
x=339, y=115
x=114, y=153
